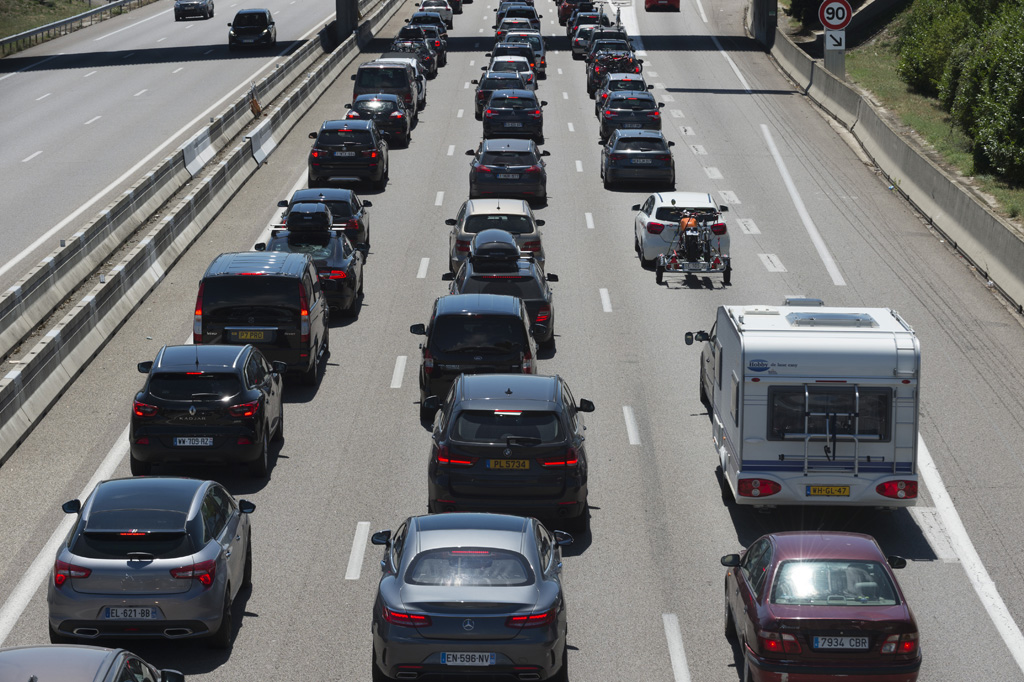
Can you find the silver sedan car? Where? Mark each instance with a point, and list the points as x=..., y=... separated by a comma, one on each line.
x=151, y=557
x=76, y=663
x=467, y=595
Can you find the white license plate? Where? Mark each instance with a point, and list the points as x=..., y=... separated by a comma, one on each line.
x=131, y=613
x=513, y=125
x=642, y=161
x=631, y=125
x=344, y=153
x=194, y=441
x=841, y=643
x=468, y=658
x=508, y=176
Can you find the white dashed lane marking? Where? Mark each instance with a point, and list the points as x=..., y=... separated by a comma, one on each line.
x=606, y=301
x=451, y=150
x=729, y=197
x=355, y=559
x=93, y=119
x=698, y=150
x=88, y=74
x=422, y=273
x=632, y=431
x=31, y=156
x=579, y=166
x=747, y=226
x=399, y=373
x=713, y=173
x=44, y=96
x=439, y=199
x=676, y=652
x=140, y=92
x=589, y=217
x=676, y=113
x=771, y=262
x=459, y=113
x=180, y=68
x=571, y=129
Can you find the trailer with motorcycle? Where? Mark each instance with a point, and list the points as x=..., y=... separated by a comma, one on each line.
x=701, y=246
x=813, y=405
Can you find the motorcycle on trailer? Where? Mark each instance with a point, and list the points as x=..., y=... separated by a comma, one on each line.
x=701, y=245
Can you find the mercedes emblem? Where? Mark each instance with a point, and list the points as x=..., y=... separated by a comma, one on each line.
x=478, y=358
x=468, y=624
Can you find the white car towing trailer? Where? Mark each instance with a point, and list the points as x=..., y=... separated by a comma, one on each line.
x=813, y=405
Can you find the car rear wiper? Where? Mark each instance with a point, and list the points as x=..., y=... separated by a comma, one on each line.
x=140, y=556
x=206, y=395
x=524, y=441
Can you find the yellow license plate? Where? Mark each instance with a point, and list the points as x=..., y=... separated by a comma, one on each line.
x=250, y=336
x=828, y=491
x=513, y=464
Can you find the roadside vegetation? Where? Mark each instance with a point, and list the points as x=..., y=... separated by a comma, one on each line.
x=17, y=16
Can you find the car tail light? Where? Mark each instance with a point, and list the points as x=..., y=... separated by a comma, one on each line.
x=428, y=362
x=532, y=169
x=544, y=314
x=437, y=43
x=533, y=620
x=370, y=153
x=608, y=113
x=616, y=157
x=462, y=245
x=351, y=224
x=204, y=571
x=444, y=456
x=408, y=98
x=663, y=157
x=527, y=362
x=532, y=246
x=409, y=620
x=396, y=114
x=315, y=153
x=534, y=114
x=654, y=114
x=488, y=113
x=776, y=643
x=718, y=229
x=333, y=274
x=352, y=114
x=304, y=315
x=757, y=487
x=655, y=228
x=899, y=490
x=570, y=458
x=482, y=169
x=143, y=410
x=197, y=321
x=62, y=570
x=900, y=644
x=479, y=94
x=244, y=410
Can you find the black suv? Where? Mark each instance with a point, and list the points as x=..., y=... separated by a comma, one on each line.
x=514, y=113
x=347, y=210
x=495, y=266
x=472, y=334
x=272, y=300
x=209, y=405
x=489, y=83
x=511, y=444
x=348, y=151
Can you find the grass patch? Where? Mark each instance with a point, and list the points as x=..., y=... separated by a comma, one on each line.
x=17, y=16
x=872, y=66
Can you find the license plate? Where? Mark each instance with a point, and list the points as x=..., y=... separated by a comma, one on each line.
x=508, y=176
x=250, y=335
x=512, y=464
x=130, y=613
x=841, y=643
x=631, y=125
x=194, y=441
x=468, y=658
x=828, y=491
x=344, y=153
x=513, y=125
x=641, y=161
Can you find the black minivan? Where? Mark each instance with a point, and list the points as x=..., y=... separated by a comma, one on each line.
x=473, y=334
x=272, y=300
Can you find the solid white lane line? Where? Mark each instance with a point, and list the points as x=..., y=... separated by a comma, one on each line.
x=571, y=129
x=713, y=173
x=729, y=197
x=565, y=95
x=396, y=376
x=422, y=273
x=698, y=150
x=144, y=90
x=38, y=99
x=771, y=262
x=32, y=66
x=459, y=113
x=439, y=199
x=355, y=559
x=89, y=74
x=927, y=519
x=589, y=217
x=735, y=69
x=747, y=226
x=579, y=166
x=676, y=113
x=703, y=16
x=451, y=150
x=43, y=563
x=961, y=542
x=606, y=301
x=805, y=217
x=632, y=430
x=93, y=120
x=103, y=37
x=31, y=156
x=180, y=68
x=676, y=653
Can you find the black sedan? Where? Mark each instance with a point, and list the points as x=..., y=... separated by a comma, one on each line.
x=491, y=82
x=339, y=263
x=514, y=113
x=630, y=110
x=508, y=168
x=388, y=113
x=471, y=596
x=631, y=155
x=348, y=211
x=348, y=151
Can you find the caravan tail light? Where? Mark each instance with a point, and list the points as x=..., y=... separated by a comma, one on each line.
x=897, y=490
x=757, y=487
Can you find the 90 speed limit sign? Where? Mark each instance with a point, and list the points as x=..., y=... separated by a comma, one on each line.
x=835, y=14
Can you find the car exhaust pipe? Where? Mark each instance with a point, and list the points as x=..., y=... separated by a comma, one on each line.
x=529, y=676
x=86, y=632
x=450, y=508
x=562, y=511
x=407, y=675
x=177, y=632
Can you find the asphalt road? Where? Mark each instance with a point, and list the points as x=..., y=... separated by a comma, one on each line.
x=644, y=586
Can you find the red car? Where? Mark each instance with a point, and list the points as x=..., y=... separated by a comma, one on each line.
x=667, y=5
x=810, y=606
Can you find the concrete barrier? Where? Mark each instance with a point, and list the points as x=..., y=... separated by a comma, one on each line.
x=990, y=243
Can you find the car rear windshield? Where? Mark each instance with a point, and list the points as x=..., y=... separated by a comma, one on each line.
x=374, y=107
x=482, y=333
x=632, y=104
x=499, y=83
x=513, y=224
x=495, y=426
x=318, y=245
x=191, y=386
x=518, y=103
x=469, y=567
x=634, y=144
x=675, y=213
x=625, y=85
x=508, y=159
x=243, y=20
x=339, y=209
x=230, y=298
x=833, y=583
x=525, y=287
x=509, y=67
x=532, y=39
x=521, y=50
x=114, y=533
x=375, y=79
x=338, y=138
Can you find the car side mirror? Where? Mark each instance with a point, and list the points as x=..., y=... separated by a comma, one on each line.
x=731, y=560
x=447, y=277
x=367, y=204
x=229, y=24
x=475, y=82
x=543, y=102
x=487, y=54
x=539, y=222
x=896, y=562
x=470, y=152
x=551, y=277
x=650, y=87
x=585, y=405
x=353, y=76
x=545, y=153
x=283, y=203
x=381, y=537
x=450, y=221
x=280, y=366
x=72, y=507
x=432, y=403
x=661, y=105
x=145, y=367
x=723, y=209
x=639, y=61
x=540, y=16
x=246, y=507
x=483, y=68
x=172, y=676
x=312, y=136
x=634, y=207
x=671, y=143
x=418, y=329
x=348, y=106
x=563, y=539
x=260, y=246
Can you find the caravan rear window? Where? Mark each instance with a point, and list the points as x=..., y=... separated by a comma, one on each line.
x=796, y=411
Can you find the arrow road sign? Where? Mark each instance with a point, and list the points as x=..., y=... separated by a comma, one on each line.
x=835, y=15
x=835, y=40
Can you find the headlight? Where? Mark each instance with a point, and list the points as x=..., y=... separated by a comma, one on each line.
x=231, y=33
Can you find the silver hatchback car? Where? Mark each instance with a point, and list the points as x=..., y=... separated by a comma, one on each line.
x=467, y=595
x=78, y=663
x=151, y=557
x=511, y=215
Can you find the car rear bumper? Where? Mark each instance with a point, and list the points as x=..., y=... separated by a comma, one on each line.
x=225, y=451
x=626, y=173
x=570, y=505
x=507, y=188
x=770, y=671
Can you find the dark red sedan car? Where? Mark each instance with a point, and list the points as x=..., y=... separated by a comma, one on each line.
x=810, y=606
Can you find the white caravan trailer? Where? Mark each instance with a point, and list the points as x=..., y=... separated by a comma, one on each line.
x=813, y=405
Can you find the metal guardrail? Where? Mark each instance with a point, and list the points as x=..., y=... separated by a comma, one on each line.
x=35, y=36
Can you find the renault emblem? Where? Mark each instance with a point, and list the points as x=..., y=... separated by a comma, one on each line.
x=468, y=624
x=192, y=410
x=478, y=358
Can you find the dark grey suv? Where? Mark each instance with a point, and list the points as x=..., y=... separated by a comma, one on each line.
x=348, y=151
x=514, y=113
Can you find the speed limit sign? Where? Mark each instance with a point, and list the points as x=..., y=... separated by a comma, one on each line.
x=835, y=14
